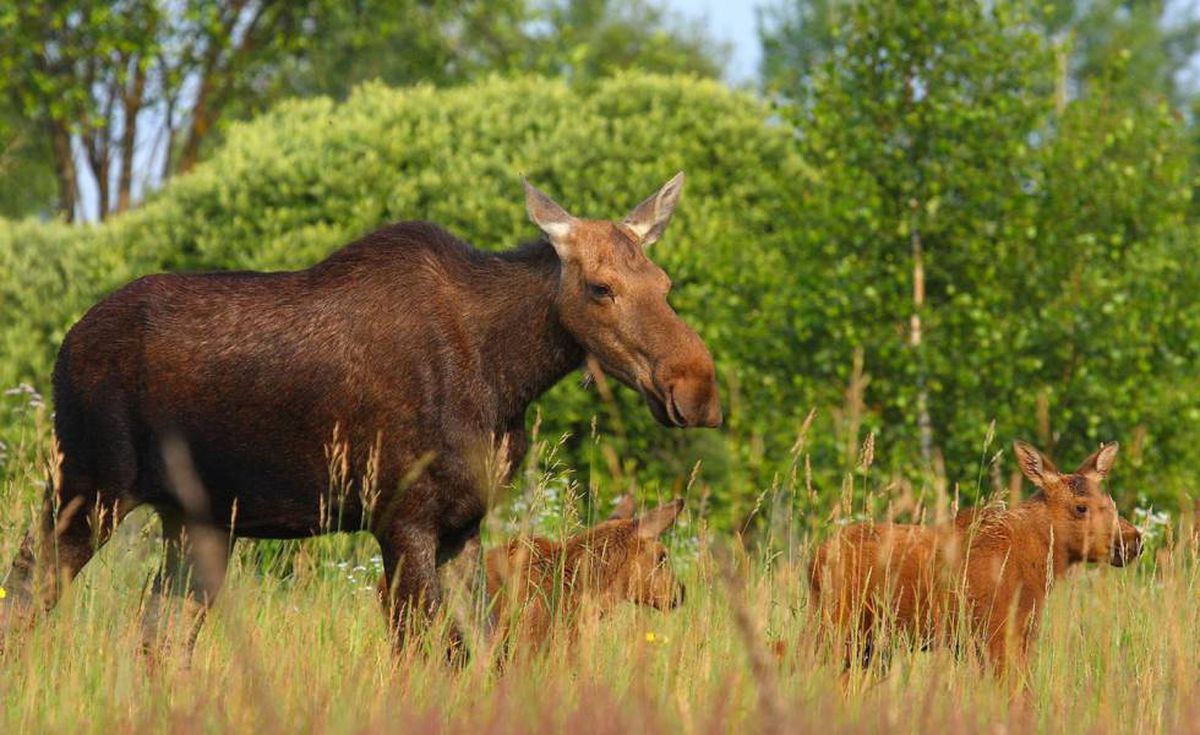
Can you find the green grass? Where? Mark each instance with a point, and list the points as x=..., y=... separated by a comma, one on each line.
x=302, y=647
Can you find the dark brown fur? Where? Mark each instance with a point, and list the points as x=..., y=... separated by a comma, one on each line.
x=223, y=399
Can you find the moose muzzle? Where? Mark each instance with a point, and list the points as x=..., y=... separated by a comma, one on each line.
x=685, y=392
x=1127, y=546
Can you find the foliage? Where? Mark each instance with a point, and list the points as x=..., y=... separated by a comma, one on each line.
x=122, y=95
x=1051, y=234
x=797, y=37
x=1136, y=52
x=448, y=43
x=92, y=74
x=591, y=39
x=26, y=168
x=311, y=175
x=1058, y=306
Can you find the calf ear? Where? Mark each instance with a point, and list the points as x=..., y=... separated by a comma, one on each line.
x=550, y=218
x=1101, y=461
x=623, y=510
x=649, y=219
x=1033, y=464
x=651, y=525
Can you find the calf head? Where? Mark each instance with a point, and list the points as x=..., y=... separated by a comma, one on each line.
x=613, y=300
x=1082, y=513
x=650, y=579
x=637, y=567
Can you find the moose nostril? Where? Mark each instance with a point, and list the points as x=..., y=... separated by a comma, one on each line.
x=702, y=406
x=715, y=417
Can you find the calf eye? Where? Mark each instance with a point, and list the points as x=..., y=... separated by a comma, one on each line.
x=600, y=291
x=1081, y=510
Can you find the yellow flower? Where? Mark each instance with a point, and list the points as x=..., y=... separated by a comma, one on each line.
x=3, y=593
x=655, y=638
x=650, y=637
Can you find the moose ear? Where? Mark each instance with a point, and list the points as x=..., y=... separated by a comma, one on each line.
x=623, y=510
x=649, y=219
x=651, y=525
x=1101, y=461
x=549, y=217
x=1036, y=467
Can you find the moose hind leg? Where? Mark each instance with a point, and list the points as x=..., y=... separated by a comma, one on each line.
x=196, y=557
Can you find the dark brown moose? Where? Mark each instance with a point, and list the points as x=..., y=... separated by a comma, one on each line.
x=224, y=400
x=986, y=573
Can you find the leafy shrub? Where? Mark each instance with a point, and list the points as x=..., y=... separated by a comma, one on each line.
x=1055, y=245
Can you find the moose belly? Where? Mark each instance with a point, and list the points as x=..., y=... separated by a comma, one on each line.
x=278, y=458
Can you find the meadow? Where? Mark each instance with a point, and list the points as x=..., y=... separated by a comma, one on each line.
x=296, y=641
x=929, y=229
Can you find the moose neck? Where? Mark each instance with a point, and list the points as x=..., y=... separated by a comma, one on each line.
x=1037, y=530
x=524, y=346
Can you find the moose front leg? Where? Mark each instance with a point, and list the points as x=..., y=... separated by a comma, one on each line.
x=413, y=594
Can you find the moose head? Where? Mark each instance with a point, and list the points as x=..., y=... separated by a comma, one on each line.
x=613, y=301
x=1083, y=515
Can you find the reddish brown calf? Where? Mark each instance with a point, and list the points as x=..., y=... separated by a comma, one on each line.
x=987, y=572
x=535, y=584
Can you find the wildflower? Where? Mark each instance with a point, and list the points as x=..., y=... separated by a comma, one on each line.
x=3, y=593
x=651, y=637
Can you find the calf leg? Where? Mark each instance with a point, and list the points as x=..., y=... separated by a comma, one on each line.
x=185, y=587
x=860, y=652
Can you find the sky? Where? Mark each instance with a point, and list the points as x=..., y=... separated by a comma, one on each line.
x=732, y=21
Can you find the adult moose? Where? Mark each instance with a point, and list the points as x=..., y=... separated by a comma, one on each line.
x=217, y=398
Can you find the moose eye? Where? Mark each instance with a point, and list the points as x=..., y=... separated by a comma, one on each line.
x=600, y=291
x=1081, y=510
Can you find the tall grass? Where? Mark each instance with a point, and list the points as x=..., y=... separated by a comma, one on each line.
x=296, y=641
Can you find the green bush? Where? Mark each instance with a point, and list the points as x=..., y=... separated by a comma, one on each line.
x=1055, y=243
x=296, y=183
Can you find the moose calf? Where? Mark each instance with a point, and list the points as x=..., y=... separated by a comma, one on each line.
x=534, y=583
x=987, y=572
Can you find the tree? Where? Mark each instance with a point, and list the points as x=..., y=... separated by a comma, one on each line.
x=1135, y=50
x=26, y=167
x=125, y=94
x=591, y=39
x=796, y=37
x=997, y=252
x=918, y=117
x=94, y=76
x=402, y=43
